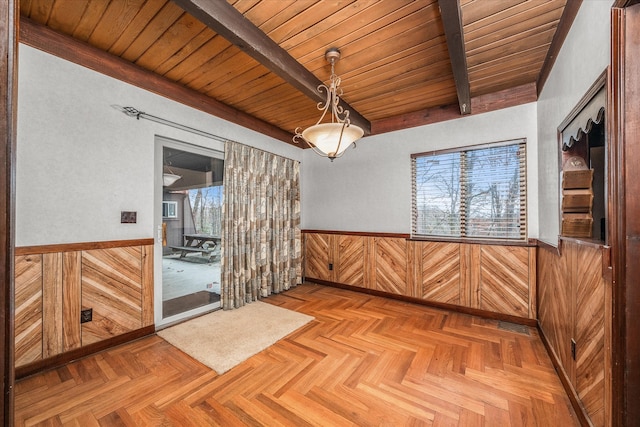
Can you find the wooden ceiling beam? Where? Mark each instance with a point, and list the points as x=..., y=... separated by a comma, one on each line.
x=225, y=20
x=451, y=14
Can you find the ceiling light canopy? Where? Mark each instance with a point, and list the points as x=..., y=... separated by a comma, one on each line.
x=331, y=139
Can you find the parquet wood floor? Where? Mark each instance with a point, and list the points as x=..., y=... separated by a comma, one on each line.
x=365, y=361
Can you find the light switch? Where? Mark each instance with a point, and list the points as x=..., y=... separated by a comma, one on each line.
x=128, y=217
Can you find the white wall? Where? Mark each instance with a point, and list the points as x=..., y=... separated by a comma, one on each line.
x=76, y=154
x=585, y=54
x=80, y=161
x=369, y=188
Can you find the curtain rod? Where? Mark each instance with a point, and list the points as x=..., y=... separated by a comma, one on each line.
x=134, y=112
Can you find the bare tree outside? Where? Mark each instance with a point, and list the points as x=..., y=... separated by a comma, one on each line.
x=473, y=193
x=438, y=195
x=207, y=209
x=493, y=208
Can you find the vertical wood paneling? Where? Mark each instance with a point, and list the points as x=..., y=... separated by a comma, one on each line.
x=475, y=290
x=624, y=204
x=589, y=334
x=608, y=339
x=533, y=304
x=370, y=267
x=350, y=260
x=147, y=285
x=317, y=256
x=391, y=265
x=505, y=279
x=28, y=309
x=112, y=287
x=414, y=269
x=440, y=265
x=465, y=275
x=52, y=304
x=71, y=297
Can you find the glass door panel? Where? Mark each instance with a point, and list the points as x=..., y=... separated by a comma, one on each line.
x=191, y=228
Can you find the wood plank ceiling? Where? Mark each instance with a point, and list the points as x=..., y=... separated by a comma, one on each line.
x=396, y=64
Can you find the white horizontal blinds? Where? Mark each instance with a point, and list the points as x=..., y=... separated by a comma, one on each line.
x=437, y=195
x=474, y=193
x=494, y=183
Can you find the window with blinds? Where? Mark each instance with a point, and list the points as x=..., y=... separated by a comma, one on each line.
x=478, y=192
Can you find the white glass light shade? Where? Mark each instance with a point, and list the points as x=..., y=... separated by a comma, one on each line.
x=169, y=178
x=326, y=137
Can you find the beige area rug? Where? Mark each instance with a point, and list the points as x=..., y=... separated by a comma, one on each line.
x=223, y=339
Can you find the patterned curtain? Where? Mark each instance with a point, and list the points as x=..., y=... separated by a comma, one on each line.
x=261, y=241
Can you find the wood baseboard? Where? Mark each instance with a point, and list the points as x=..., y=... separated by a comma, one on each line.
x=63, y=358
x=576, y=403
x=451, y=307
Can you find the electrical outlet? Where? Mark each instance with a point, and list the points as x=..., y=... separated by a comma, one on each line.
x=573, y=349
x=86, y=315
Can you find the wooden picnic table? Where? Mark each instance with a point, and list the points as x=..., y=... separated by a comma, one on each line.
x=198, y=242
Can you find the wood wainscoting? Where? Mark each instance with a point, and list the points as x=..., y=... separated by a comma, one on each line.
x=575, y=320
x=492, y=280
x=55, y=283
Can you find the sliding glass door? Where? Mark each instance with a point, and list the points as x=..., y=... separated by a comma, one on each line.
x=190, y=230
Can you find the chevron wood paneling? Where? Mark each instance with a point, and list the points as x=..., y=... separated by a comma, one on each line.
x=28, y=309
x=363, y=361
x=390, y=261
x=317, y=252
x=589, y=334
x=350, y=265
x=493, y=278
x=572, y=305
x=504, y=279
x=554, y=305
x=54, y=282
x=440, y=272
x=112, y=287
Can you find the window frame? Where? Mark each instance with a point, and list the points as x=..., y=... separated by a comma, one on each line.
x=167, y=208
x=463, y=237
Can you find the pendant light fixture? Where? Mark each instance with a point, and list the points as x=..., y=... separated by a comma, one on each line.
x=169, y=178
x=331, y=139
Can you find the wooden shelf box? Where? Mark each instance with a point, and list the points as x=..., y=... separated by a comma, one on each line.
x=577, y=200
x=577, y=225
x=582, y=178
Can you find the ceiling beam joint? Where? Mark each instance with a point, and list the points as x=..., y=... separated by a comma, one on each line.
x=451, y=14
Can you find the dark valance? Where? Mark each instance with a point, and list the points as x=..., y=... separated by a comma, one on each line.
x=592, y=113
